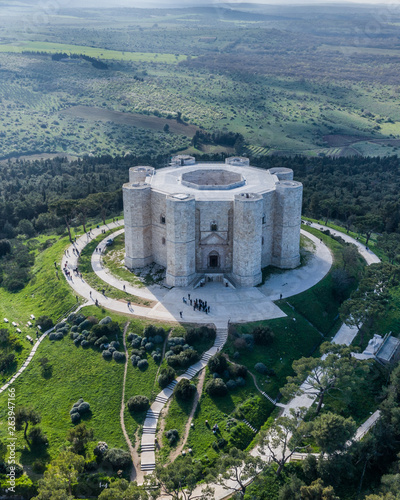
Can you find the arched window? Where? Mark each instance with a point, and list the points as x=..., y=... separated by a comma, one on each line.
x=163, y=241
x=162, y=219
x=213, y=226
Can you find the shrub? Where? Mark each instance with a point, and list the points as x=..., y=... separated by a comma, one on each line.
x=240, y=382
x=143, y=364
x=37, y=438
x=100, y=449
x=241, y=436
x=85, y=325
x=45, y=323
x=39, y=466
x=84, y=407
x=136, y=342
x=101, y=340
x=172, y=435
x=60, y=325
x=52, y=336
x=240, y=343
x=261, y=368
x=105, y=321
x=79, y=318
x=63, y=330
x=158, y=339
x=93, y=320
x=106, y=354
x=152, y=331
x=238, y=371
x=149, y=346
x=119, y=356
x=115, y=344
x=138, y=403
x=263, y=335
x=74, y=328
x=218, y=363
x=118, y=459
x=75, y=417
x=112, y=349
x=130, y=337
x=156, y=357
x=167, y=375
x=135, y=360
x=216, y=387
x=85, y=343
x=231, y=385
x=184, y=390
x=202, y=333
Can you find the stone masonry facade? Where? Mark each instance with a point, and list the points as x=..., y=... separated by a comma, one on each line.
x=199, y=219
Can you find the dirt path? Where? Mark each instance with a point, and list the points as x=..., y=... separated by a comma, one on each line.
x=175, y=453
x=161, y=419
x=136, y=474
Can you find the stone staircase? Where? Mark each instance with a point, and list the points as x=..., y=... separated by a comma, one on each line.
x=249, y=425
x=148, y=457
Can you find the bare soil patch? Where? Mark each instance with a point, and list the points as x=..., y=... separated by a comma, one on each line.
x=133, y=119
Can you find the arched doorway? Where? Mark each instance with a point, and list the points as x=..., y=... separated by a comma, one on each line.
x=213, y=260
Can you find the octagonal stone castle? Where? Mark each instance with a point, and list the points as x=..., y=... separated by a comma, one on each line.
x=212, y=219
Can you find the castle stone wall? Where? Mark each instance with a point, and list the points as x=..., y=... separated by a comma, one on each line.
x=181, y=246
x=138, y=226
x=247, y=233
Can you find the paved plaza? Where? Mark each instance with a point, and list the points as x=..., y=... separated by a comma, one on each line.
x=226, y=304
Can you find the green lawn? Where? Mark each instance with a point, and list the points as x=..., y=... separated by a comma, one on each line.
x=218, y=410
x=85, y=267
x=77, y=373
x=100, y=53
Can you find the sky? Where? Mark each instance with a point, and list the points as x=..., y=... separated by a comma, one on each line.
x=187, y=3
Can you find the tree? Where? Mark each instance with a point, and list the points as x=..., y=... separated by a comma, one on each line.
x=179, y=480
x=218, y=363
x=372, y=297
x=79, y=436
x=26, y=415
x=390, y=244
x=5, y=247
x=284, y=438
x=338, y=369
x=123, y=490
x=317, y=491
x=138, y=403
x=61, y=474
x=67, y=210
x=166, y=128
x=331, y=432
x=367, y=224
x=237, y=470
x=263, y=335
x=184, y=389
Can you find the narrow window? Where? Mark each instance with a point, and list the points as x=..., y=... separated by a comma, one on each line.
x=213, y=226
x=264, y=220
x=262, y=240
x=163, y=241
x=162, y=219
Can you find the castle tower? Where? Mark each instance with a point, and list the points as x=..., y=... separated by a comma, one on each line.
x=180, y=221
x=138, y=227
x=286, y=242
x=247, y=234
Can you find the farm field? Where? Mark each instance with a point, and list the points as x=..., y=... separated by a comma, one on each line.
x=159, y=88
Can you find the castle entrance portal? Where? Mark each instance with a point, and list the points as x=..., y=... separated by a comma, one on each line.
x=213, y=260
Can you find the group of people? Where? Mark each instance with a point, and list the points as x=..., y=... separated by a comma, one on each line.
x=198, y=304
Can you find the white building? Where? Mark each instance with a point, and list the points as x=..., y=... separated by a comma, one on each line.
x=212, y=219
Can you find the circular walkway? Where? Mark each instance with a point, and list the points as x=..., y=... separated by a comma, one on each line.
x=226, y=304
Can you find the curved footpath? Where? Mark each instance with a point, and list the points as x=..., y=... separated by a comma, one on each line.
x=227, y=304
